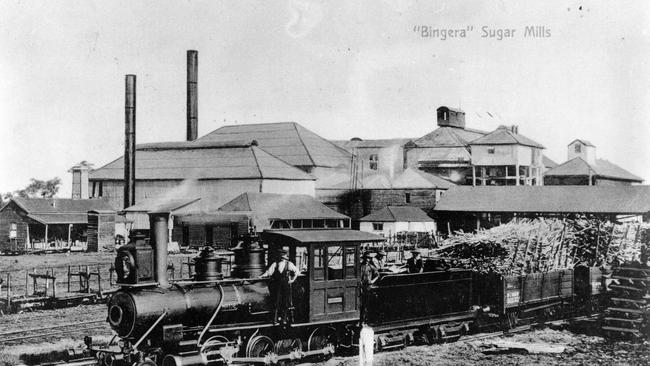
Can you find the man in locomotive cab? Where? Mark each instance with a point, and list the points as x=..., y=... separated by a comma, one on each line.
x=282, y=273
x=414, y=264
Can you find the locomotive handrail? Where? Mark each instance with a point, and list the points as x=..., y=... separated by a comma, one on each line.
x=144, y=336
x=220, y=282
x=214, y=315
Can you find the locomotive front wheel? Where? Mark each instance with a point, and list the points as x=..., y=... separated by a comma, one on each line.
x=259, y=346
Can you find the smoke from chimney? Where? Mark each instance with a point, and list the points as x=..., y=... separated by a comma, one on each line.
x=192, y=95
x=129, y=142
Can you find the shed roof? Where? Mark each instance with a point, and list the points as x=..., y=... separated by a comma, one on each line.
x=548, y=162
x=60, y=218
x=398, y=214
x=62, y=205
x=324, y=235
x=162, y=204
x=281, y=206
x=377, y=143
x=504, y=136
x=410, y=178
x=288, y=141
x=547, y=199
x=602, y=168
x=202, y=160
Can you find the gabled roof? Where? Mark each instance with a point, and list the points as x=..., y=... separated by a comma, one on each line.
x=584, y=142
x=410, y=178
x=281, y=206
x=60, y=210
x=288, y=141
x=547, y=199
x=202, y=160
x=398, y=214
x=602, y=168
x=449, y=137
x=504, y=136
x=377, y=143
x=548, y=162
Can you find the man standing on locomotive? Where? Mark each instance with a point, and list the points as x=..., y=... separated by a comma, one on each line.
x=369, y=275
x=282, y=273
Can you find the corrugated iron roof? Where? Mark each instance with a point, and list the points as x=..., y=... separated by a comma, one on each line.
x=161, y=204
x=288, y=141
x=377, y=143
x=324, y=235
x=60, y=218
x=547, y=199
x=504, y=136
x=602, y=168
x=62, y=205
x=281, y=206
x=398, y=214
x=202, y=160
x=449, y=137
x=548, y=162
x=410, y=178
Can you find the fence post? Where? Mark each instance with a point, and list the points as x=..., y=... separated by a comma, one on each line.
x=8, y=292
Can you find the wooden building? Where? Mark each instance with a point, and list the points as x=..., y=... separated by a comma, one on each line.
x=393, y=219
x=506, y=158
x=46, y=223
x=583, y=168
x=221, y=170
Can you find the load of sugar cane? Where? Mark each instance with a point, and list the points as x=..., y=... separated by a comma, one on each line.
x=545, y=244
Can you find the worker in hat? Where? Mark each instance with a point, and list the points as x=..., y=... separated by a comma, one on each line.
x=414, y=264
x=369, y=276
x=380, y=260
x=282, y=273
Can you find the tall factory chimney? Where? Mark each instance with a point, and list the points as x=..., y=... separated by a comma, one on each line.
x=129, y=142
x=192, y=95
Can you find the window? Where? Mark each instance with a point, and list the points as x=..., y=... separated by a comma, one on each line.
x=407, y=197
x=578, y=148
x=490, y=150
x=350, y=266
x=319, y=273
x=374, y=162
x=377, y=226
x=444, y=116
x=13, y=230
x=334, y=262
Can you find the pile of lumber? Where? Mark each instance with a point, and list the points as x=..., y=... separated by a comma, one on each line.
x=545, y=244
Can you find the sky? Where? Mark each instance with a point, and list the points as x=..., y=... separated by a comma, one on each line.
x=369, y=69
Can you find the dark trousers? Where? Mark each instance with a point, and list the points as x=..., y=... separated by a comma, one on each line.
x=281, y=295
x=364, y=303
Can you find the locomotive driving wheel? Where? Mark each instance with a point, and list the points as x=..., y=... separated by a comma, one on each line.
x=285, y=346
x=321, y=338
x=259, y=346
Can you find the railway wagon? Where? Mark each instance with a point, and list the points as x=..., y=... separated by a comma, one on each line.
x=531, y=297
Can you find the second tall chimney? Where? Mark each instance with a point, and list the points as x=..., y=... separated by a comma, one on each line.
x=192, y=95
x=129, y=142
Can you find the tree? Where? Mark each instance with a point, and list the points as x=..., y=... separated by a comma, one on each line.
x=36, y=189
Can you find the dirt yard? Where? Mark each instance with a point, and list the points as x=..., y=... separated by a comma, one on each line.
x=578, y=350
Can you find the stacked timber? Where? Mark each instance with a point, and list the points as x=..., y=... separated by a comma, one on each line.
x=628, y=313
x=545, y=244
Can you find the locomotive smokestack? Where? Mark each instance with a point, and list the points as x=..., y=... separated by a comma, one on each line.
x=129, y=142
x=158, y=240
x=192, y=95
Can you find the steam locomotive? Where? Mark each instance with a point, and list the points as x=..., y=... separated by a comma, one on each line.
x=209, y=320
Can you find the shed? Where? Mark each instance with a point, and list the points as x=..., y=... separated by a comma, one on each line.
x=47, y=223
x=392, y=219
x=101, y=230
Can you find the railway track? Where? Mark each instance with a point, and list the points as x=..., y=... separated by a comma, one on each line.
x=50, y=332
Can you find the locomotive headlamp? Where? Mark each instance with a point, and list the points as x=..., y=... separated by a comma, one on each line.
x=125, y=267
